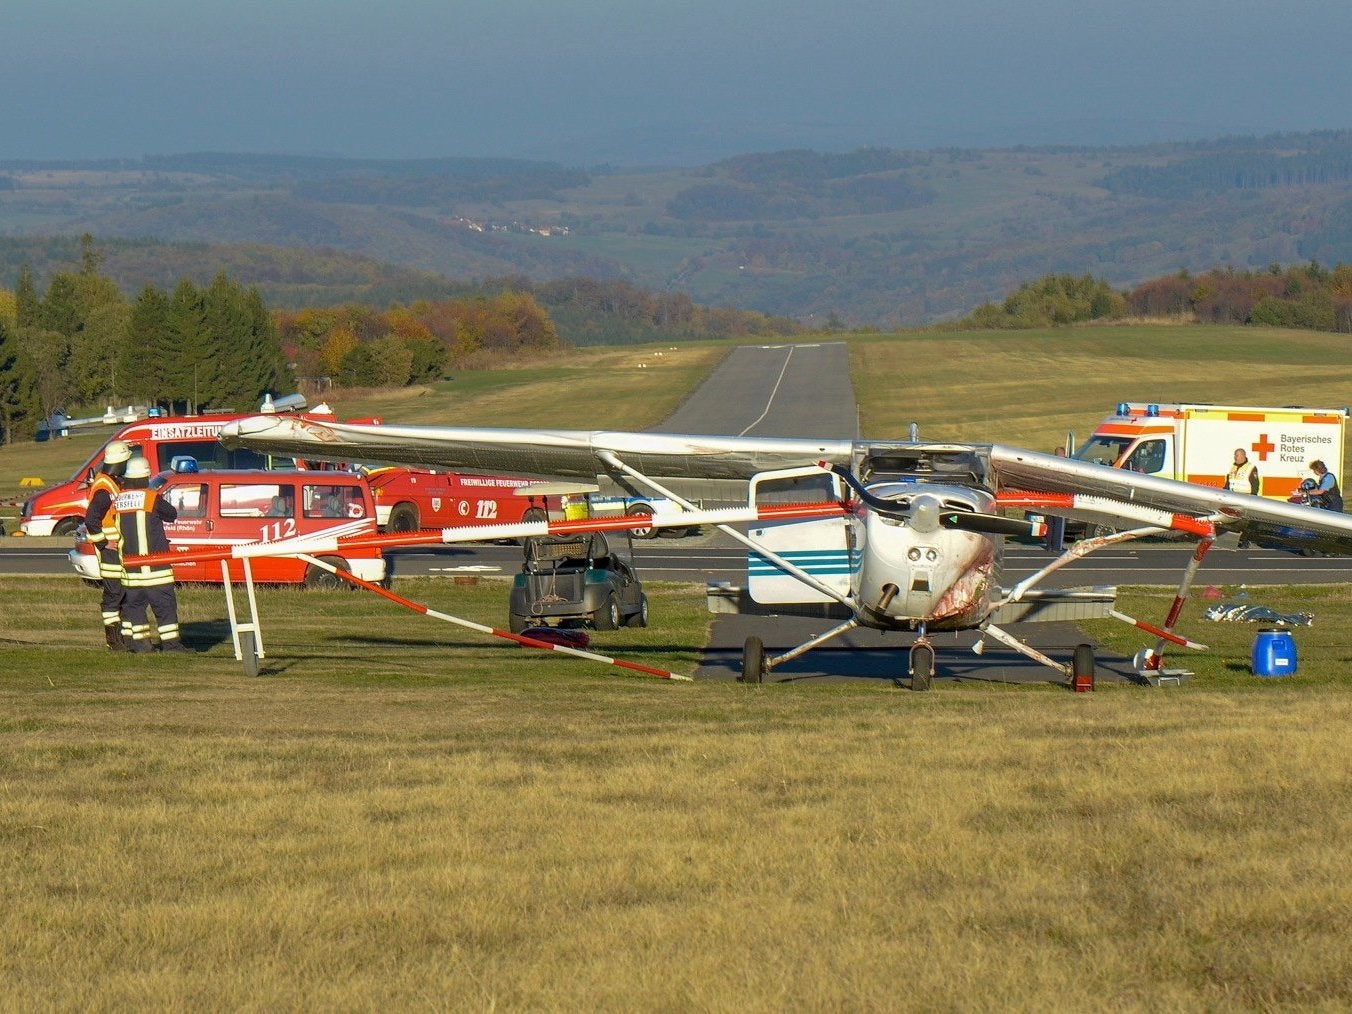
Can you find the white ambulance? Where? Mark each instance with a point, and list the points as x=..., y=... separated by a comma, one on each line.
x=1197, y=443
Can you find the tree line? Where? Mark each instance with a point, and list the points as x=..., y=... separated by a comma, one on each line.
x=82, y=343
x=1303, y=296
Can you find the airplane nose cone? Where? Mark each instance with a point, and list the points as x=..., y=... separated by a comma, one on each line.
x=925, y=513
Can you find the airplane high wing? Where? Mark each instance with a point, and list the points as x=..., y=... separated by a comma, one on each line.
x=910, y=540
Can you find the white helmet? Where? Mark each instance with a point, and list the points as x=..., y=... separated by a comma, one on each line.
x=116, y=452
x=138, y=468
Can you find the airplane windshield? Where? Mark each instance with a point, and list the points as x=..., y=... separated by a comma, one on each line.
x=1102, y=450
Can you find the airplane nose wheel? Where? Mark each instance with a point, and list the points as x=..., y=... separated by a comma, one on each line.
x=754, y=669
x=921, y=664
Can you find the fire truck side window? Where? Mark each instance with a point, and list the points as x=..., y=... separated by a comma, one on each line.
x=191, y=500
x=251, y=500
x=333, y=502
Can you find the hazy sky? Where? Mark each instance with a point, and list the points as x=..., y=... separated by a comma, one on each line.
x=637, y=82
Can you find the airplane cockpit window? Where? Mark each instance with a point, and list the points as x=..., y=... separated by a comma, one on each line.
x=926, y=463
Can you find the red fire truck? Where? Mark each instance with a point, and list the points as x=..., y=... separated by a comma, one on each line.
x=166, y=442
x=408, y=499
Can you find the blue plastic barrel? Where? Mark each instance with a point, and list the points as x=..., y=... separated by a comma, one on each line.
x=1274, y=652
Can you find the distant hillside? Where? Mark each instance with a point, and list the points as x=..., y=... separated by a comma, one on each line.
x=585, y=311
x=873, y=236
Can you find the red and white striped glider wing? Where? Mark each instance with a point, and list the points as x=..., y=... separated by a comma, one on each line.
x=1261, y=519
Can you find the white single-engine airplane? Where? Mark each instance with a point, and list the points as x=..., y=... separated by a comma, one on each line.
x=910, y=541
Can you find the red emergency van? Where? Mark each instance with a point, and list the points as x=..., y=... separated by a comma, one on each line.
x=227, y=508
x=164, y=441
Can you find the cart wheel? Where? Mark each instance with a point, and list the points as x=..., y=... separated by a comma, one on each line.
x=248, y=647
x=608, y=616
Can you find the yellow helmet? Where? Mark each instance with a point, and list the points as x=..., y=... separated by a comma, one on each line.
x=116, y=452
x=138, y=468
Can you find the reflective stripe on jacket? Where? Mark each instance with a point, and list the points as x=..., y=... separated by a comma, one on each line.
x=141, y=515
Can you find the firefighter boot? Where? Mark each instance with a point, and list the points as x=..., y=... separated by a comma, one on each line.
x=174, y=644
x=113, y=636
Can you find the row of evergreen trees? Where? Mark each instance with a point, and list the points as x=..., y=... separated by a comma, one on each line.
x=81, y=343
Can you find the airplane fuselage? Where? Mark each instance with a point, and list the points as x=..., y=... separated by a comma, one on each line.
x=918, y=572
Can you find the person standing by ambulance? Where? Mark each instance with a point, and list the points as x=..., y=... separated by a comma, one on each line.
x=1243, y=475
x=141, y=514
x=101, y=533
x=1326, y=493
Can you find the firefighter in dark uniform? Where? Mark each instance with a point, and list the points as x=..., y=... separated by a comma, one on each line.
x=101, y=533
x=141, y=514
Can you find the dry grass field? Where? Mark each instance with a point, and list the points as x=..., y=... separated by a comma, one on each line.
x=1030, y=387
x=399, y=814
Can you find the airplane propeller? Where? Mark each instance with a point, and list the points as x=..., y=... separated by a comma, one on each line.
x=988, y=524
x=963, y=521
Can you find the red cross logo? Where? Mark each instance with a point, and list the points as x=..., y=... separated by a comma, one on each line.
x=1263, y=447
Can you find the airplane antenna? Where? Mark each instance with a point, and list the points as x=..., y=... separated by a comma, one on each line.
x=915, y=432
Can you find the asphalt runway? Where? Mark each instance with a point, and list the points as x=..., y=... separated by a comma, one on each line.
x=773, y=391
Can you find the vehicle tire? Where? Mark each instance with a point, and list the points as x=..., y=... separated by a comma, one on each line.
x=640, y=618
x=922, y=666
x=1096, y=531
x=608, y=616
x=754, y=669
x=403, y=518
x=517, y=623
x=66, y=526
x=248, y=649
x=638, y=511
x=319, y=579
x=534, y=514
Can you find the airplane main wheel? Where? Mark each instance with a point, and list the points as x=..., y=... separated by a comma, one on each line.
x=922, y=666
x=754, y=669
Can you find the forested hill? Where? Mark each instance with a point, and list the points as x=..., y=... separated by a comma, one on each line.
x=584, y=310
x=875, y=236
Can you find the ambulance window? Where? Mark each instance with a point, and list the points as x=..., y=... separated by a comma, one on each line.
x=191, y=500
x=1147, y=458
x=251, y=500
x=1102, y=450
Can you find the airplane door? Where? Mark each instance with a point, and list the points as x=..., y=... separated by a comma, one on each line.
x=821, y=547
